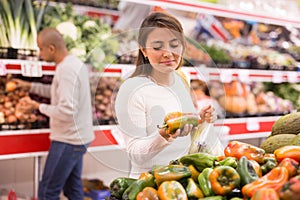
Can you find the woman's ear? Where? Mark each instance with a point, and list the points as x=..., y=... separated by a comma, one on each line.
x=143, y=51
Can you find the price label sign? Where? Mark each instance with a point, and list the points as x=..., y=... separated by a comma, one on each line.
x=226, y=76
x=244, y=76
x=3, y=71
x=31, y=69
x=292, y=77
x=277, y=77
x=252, y=124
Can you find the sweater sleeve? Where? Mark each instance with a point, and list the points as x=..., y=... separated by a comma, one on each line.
x=141, y=146
x=40, y=89
x=67, y=97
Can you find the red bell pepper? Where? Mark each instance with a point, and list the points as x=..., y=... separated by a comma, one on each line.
x=238, y=149
x=289, y=151
x=265, y=194
x=275, y=179
x=291, y=165
x=291, y=189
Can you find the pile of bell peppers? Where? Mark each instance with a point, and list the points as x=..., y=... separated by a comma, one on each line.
x=244, y=172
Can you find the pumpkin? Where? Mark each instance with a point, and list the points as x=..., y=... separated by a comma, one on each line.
x=234, y=104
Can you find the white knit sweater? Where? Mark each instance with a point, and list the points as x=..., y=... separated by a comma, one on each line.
x=140, y=106
x=70, y=110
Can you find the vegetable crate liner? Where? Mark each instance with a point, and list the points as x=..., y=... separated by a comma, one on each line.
x=97, y=194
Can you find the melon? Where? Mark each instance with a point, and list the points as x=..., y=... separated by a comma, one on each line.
x=287, y=124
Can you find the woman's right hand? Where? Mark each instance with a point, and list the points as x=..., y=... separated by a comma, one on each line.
x=187, y=129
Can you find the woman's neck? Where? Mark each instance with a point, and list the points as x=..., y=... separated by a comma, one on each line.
x=163, y=79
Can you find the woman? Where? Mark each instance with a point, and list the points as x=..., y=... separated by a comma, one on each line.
x=154, y=90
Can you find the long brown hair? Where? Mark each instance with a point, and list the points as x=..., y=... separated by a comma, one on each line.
x=156, y=20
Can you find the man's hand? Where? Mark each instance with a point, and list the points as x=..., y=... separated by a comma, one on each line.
x=22, y=84
x=27, y=105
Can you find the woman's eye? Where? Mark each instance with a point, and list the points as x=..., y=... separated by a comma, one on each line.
x=174, y=43
x=157, y=48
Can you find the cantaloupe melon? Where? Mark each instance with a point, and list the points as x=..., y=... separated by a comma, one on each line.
x=287, y=124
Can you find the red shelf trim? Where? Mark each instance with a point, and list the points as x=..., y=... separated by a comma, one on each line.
x=29, y=143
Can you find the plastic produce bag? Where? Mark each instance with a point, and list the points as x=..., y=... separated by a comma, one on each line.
x=206, y=139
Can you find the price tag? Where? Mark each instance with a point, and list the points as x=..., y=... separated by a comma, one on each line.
x=243, y=76
x=3, y=71
x=226, y=76
x=277, y=77
x=292, y=77
x=252, y=124
x=31, y=69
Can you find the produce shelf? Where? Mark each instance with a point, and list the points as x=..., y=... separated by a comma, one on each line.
x=222, y=11
x=32, y=143
x=201, y=72
x=247, y=128
x=29, y=143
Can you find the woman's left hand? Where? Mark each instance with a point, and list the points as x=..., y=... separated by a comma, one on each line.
x=208, y=114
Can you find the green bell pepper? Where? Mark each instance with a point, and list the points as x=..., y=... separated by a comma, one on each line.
x=246, y=171
x=268, y=165
x=200, y=160
x=131, y=192
x=229, y=161
x=204, y=183
x=119, y=185
x=171, y=172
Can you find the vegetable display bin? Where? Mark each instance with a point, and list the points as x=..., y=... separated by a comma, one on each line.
x=97, y=194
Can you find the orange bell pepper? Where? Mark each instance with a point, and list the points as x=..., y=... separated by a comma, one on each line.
x=224, y=179
x=238, y=149
x=171, y=190
x=148, y=193
x=265, y=194
x=291, y=165
x=275, y=179
x=289, y=151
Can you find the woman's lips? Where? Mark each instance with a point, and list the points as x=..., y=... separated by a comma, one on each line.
x=169, y=62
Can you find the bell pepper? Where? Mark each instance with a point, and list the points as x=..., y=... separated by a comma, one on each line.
x=291, y=189
x=289, y=151
x=265, y=194
x=171, y=172
x=273, y=179
x=148, y=193
x=195, y=173
x=204, y=183
x=256, y=167
x=132, y=191
x=119, y=185
x=171, y=190
x=214, y=198
x=269, y=164
x=200, y=160
x=224, y=179
x=229, y=161
x=246, y=171
x=176, y=120
x=291, y=165
x=238, y=149
x=192, y=190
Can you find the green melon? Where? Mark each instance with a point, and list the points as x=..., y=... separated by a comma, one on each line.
x=287, y=124
x=273, y=142
x=296, y=140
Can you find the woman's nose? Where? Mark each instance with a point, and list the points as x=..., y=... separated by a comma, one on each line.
x=167, y=52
